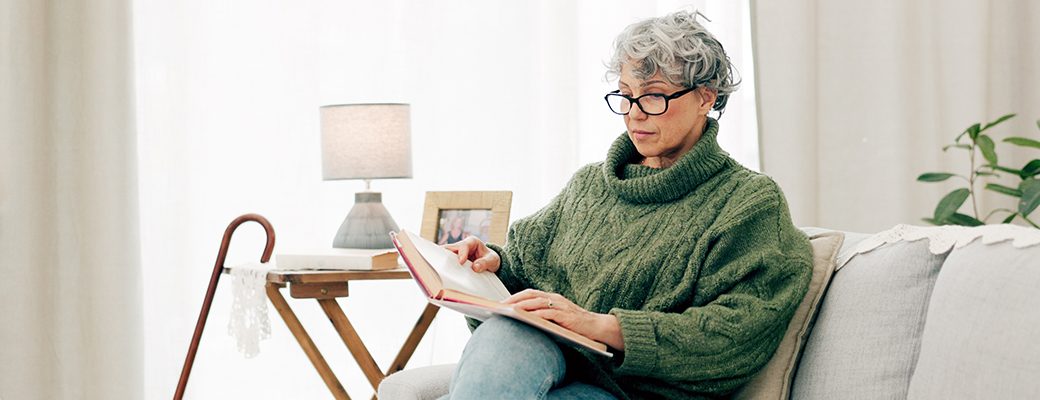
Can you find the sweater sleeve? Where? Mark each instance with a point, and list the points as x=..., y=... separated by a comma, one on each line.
x=525, y=238
x=755, y=268
x=529, y=238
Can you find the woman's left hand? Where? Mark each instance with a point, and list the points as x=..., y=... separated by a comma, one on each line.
x=603, y=328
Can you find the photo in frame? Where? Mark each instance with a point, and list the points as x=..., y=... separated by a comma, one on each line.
x=452, y=216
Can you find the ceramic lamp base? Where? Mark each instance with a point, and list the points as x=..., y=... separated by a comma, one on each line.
x=368, y=224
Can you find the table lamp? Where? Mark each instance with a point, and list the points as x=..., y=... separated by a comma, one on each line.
x=366, y=141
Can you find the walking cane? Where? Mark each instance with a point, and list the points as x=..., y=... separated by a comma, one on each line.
x=217, y=271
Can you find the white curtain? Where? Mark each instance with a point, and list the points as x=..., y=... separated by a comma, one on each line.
x=70, y=296
x=857, y=99
x=504, y=96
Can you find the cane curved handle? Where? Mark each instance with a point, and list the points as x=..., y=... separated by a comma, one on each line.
x=214, y=278
x=268, y=249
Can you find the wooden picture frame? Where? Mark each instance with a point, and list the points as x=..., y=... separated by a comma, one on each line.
x=479, y=211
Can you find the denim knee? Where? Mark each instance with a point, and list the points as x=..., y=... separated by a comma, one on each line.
x=506, y=358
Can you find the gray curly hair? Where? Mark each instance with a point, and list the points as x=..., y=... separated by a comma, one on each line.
x=681, y=48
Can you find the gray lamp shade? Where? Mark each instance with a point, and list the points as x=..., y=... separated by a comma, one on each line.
x=366, y=141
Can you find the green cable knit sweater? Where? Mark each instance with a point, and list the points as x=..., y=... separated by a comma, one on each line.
x=699, y=262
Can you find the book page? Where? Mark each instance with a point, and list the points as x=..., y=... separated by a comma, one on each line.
x=482, y=309
x=459, y=277
x=422, y=273
x=478, y=312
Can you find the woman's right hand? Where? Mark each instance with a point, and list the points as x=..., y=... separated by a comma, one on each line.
x=472, y=249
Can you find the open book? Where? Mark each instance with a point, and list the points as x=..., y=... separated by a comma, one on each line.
x=449, y=284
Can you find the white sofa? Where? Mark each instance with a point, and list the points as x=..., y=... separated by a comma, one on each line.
x=899, y=322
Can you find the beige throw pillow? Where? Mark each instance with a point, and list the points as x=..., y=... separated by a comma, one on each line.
x=774, y=381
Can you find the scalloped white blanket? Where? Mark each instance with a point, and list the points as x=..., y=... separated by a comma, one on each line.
x=249, y=323
x=942, y=238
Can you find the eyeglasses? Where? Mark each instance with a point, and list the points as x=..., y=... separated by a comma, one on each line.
x=650, y=104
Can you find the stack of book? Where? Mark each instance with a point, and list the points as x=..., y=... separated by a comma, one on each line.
x=338, y=259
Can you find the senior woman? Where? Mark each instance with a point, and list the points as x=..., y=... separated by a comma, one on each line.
x=681, y=260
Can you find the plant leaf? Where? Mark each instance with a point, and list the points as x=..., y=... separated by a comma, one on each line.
x=949, y=204
x=1032, y=168
x=991, y=213
x=1024, y=142
x=935, y=176
x=1030, y=196
x=931, y=221
x=973, y=131
x=999, y=120
x=1009, y=218
x=984, y=173
x=963, y=220
x=958, y=145
x=1004, y=190
x=986, y=146
x=1020, y=173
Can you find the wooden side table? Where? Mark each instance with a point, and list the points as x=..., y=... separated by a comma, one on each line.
x=326, y=287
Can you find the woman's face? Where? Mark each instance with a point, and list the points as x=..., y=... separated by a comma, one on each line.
x=663, y=139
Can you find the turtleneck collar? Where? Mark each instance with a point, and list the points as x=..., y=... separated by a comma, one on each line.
x=641, y=184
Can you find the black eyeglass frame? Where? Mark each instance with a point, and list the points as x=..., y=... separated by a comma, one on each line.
x=635, y=100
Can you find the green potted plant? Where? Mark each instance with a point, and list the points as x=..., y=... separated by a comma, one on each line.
x=1027, y=192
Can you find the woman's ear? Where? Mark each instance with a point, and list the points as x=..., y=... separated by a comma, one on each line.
x=708, y=97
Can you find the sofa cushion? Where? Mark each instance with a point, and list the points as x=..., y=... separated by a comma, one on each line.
x=982, y=337
x=866, y=338
x=774, y=381
x=422, y=383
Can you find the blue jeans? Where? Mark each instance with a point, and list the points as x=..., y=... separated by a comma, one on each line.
x=506, y=359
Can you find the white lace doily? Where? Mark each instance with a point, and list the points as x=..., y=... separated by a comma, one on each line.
x=249, y=323
x=942, y=238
